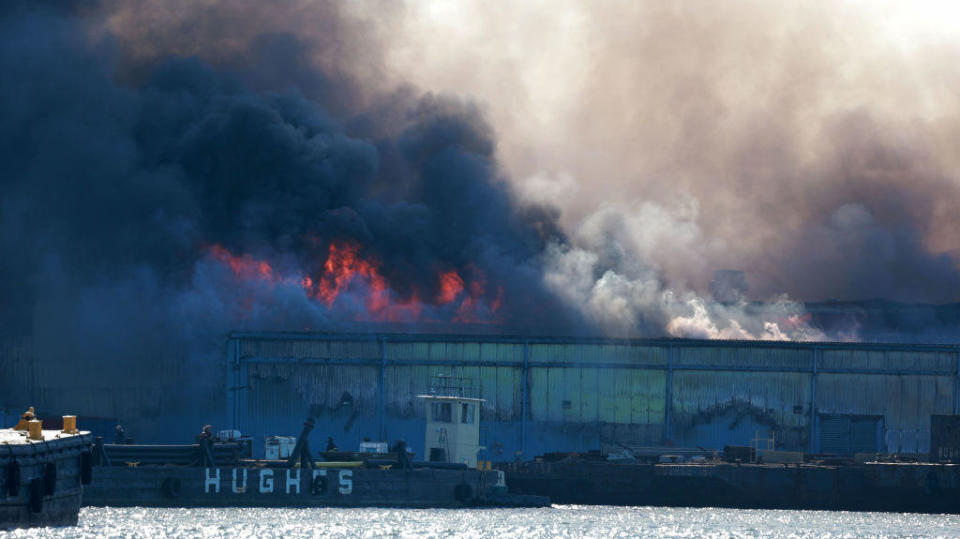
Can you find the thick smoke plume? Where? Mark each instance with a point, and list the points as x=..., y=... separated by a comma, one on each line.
x=808, y=145
x=245, y=180
x=174, y=170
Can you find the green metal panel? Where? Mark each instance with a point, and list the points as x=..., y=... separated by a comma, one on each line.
x=488, y=391
x=618, y=385
x=904, y=401
x=766, y=395
x=746, y=357
x=508, y=393
x=890, y=360
x=589, y=395
x=606, y=396
x=570, y=403
x=470, y=351
x=647, y=394
x=310, y=349
x=556, y=393
x=403, y=384
x=300, y=387
x=501, y=352
x=538, y=394
x=598, y=353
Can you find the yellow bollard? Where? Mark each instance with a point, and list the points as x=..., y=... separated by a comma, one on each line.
x=70, y=424
x=27, y=416
x=36, y=429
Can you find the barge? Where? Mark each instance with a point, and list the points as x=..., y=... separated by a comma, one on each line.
x=918, y=487
x=43, y=473
x=337, y=485
x=210, y=474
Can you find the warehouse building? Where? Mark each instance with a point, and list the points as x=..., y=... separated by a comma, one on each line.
x=549, y=394
x=540, y=394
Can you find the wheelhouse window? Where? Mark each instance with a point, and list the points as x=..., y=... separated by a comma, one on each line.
x=467, y=413
x=441, y=412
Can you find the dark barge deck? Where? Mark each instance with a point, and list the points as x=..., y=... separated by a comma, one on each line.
x=239, y=486
x=889, y=487
x=41, y=480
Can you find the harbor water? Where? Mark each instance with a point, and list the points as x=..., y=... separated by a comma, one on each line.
x=557, y=521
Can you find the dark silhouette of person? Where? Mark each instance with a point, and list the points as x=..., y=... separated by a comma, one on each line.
x=330, y=445
x=403, y=460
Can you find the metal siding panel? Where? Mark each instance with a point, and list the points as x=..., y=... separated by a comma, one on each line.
x=441, y=351
x=623, y=388
x=906, y=402
x=403, y=384
x=589, y=395
x=17, y=365
x=834, y=435
x=655, y=355
x=639, y=399
x=471, y=351
x=514, y=353
x=623, y=397
x=309, y=349
x=543, y=353
x=714, y=409
x=891, y=360
x=746, y=357
x=508, y=386
x=488, y=391
x=556, y=393
x=649, y=396
x=539, y=391
x=606, y=395
x=864, y=434
x=571, y=383
x=398, y=351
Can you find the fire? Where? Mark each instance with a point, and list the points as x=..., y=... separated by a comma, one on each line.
x=343, y=267
x=245, y=267
x=451, y=285
x=345, y=272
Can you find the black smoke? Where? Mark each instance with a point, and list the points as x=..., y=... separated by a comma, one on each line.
x=119, y=174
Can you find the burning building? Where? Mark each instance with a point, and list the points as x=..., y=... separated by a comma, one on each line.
x=172, y=208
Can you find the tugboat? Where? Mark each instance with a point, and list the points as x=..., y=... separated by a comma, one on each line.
x=42, y=473
x=210, y=474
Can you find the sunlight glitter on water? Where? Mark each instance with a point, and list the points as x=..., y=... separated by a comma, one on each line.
x=557, y=521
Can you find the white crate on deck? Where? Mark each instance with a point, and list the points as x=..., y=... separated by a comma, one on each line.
x=279, y=447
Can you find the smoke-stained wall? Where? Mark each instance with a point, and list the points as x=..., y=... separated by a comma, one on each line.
x=545, y=395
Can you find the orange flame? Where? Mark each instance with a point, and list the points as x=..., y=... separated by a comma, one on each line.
x=346, y=270
x=451, y=285
x=245, y=267
x=345, y=266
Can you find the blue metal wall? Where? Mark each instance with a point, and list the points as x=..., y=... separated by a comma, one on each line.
x=568, y=395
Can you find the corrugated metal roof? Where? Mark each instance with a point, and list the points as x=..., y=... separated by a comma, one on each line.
x=715, y=343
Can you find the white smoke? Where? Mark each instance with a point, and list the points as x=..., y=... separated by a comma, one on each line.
x=613, y=273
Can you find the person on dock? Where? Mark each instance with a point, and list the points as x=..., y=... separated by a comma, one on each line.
x=403, y=460
x=119, y=435
x=206, y=434
x=331, y=446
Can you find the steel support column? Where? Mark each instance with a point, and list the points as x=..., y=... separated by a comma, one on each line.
x=233, y=381
x=668, y=397
x=381, y=388
x=956, y=388
x=813, y=399
x=523, y=400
